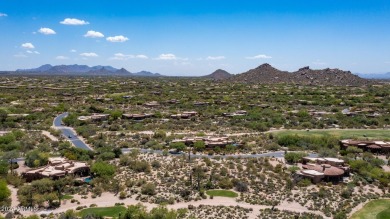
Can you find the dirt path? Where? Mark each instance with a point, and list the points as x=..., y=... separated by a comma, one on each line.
x=14, y=196
x=108, y=199
x=50, y=136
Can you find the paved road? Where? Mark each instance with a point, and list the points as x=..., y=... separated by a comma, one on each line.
x=67, y=131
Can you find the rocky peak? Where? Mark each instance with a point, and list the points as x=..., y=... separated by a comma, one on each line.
x=219, y=74
x=265, y=65
x=304, y=68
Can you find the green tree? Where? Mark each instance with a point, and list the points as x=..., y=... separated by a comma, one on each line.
x=199, y=174
x=294, y=157
x=135, y=212
x=179, y=146
x=7, y=139
x=115, y=114
x=103, y=169
x=5, y=193
x=59, y=186
x=354, y=150
x=162, y=212
x=199, y=145
x=71, y=120
x=3, y=115
x=327, y=152
x=35, y=158
x=4, y=167
x=139, y=212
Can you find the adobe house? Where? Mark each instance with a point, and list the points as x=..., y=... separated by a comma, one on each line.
x=313, y=175
x=374, y=146
x=184, y=115
x=152, y=104
x=210, y=142
x=237, y=113
x=327, y=160
x=326, y=172
x=57, y=167
x=323, y=169
x=137, y=116
x=94, y=117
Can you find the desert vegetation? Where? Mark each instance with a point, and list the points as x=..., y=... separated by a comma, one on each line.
x=151, y=160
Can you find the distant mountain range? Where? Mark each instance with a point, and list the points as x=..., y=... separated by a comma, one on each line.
x=266, y=74
x=84, y=70
x=219, y=74
x=263, y=74
x=375, y=76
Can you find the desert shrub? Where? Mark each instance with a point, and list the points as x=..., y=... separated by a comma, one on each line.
x=225, y=183
x=148, y=189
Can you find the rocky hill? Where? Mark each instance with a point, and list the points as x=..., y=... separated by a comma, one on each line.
x=219, y=75
x=327, y=77
x=103, y=71
x=147, y=74
x=266, y=74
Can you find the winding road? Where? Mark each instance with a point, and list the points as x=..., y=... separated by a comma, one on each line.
x=79, y=143
x=69, y=133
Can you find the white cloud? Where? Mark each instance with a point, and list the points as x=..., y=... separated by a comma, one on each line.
x=89, y=54
x=46, y=31
x=215, y=57
x=261, y=56
x=170, y=56
x=3, y=15
x=28, y=46
x=73, y=50
x=117, y=39
x=33, y=52
x=387, y=62
x=93, y=34
x=141, y=57
x=121, y=56
x=74, y=21
x=62, y=58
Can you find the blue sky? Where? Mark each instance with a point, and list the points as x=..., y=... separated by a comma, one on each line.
x=196, y=37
